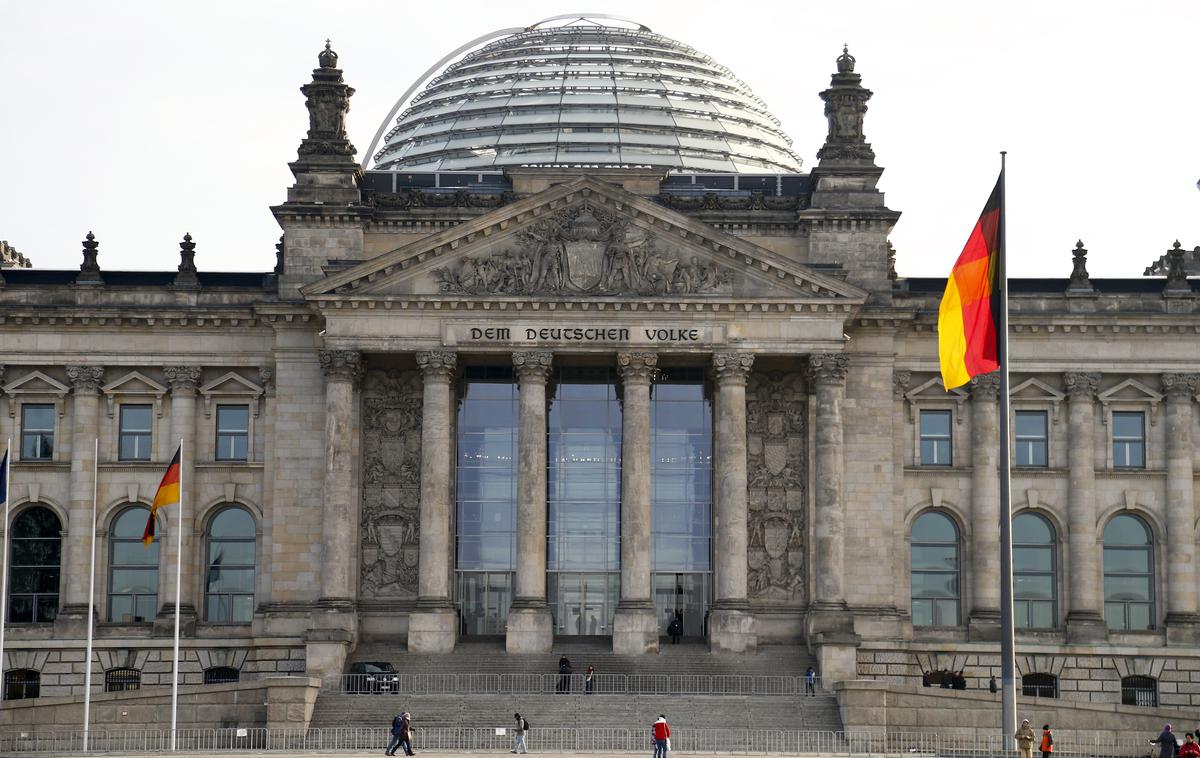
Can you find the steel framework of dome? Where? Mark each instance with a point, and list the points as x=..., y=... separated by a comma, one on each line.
x=587, y=93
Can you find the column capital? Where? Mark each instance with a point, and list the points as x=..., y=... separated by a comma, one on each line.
x=732, y=368
x=1180, y=386
x=985, y=388
x=1081, y=385
x=533, y=364
x=637, y=367
x=828, y=368
x=182, y=379
x=437, y=363
x=85, y=380
x=341, y=365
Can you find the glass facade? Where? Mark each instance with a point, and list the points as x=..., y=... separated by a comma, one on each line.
x=935, y=571
x=1034, y=566
x=681, y=508
x=486, y=507
x=1128, y=574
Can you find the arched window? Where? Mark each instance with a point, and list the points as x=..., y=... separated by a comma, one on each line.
x=221, y=675
x=1034, y=567
x=1039, y=685
x=935, y=579
x=1128, y=574
x=132, y=569
x=120, y=680
x=20, y=684
x=229, y=580
x=1139, y=690
x=34, y=560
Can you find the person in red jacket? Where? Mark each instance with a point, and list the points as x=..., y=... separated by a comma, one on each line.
x=1189, y=748
x=660, y=733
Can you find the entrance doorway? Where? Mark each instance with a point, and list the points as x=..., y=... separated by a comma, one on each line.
x=684, y=594
x=483, y=601
x=583, y=604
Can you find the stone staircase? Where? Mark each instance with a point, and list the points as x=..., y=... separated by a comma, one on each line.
x=788, y=713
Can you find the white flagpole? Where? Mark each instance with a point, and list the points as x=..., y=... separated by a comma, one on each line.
x=4, y=558
x=178, y=577
x=87, y=669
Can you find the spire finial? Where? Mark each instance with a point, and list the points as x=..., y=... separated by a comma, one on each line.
x=845, y=61
x=1080, y=282
x=328, y=58
x=187, y=278
x=89, y=270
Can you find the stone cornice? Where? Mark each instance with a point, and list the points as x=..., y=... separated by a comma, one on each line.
x=522, y=304
x=189, y=317
x=1100, y=323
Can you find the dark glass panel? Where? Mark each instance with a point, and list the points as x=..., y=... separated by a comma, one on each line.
x=37, y=522
x=1031, y=529
x=131, y=523
x=934, y=527
x=1033, y=559
x=232, y=522
x=934, y=557
x=1126, y=530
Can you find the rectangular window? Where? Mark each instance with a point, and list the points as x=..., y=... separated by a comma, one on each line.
x=233, y=432
x=1129, y=439
x=1032, y=438
x=136, y=424
x=935, y=438
x=37, y=432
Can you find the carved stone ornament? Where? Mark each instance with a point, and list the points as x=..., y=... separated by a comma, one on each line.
x=187, y=263
x=266, y=375
x=1180, y=386
x=1176, y=271
x=732, y=367
x=279, y=256
x=776, y=469
x=89, y=270
x=436, y=198
x=85, y=380
x=583, y=250
x=711, y=201
x=182, y=379
x=901, y=379
x=985, y=388
x=344, y=365
x=1079, y=272
x=437, y=363
x=391, y=484
x=845, y=107
x=533, y=364
x=828, y=368
x=328, y=102
x=1081, y=385
x=637, y=367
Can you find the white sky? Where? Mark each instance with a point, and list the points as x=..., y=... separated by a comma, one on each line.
x=144, y=120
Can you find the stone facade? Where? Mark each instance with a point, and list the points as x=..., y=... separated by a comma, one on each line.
x=819, y=362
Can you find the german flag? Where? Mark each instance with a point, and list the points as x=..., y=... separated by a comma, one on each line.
x=970, y=311
x=168, y=494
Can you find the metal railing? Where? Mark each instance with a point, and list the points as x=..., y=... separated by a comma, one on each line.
x=576, y=684
x=967, y=744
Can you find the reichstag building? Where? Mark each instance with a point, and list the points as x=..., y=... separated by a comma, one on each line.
x=587, y=349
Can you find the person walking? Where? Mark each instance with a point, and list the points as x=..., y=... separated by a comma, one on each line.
x=675, y=628
x=522, y=728
x=1047, y=746
x=1024, y=738
x=589, y=680
x=1166, y=743
x=406, y=735
x=810, y=681
x=660, y=735
x=564, y=675
x=397, y=732
x=1189, y=748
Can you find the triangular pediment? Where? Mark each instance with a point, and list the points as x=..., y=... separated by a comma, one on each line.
x=585, y=239
x=230, y=385
x=36, y=383
x=134, y=383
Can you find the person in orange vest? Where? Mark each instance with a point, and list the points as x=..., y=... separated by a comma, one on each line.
x=1047, y=741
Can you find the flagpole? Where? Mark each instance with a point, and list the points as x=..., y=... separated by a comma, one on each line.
x=1007, y=643
x=87, y=668
x=178, y=577
x=4, y=558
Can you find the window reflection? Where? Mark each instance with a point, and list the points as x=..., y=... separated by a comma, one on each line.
x=935, y=577
x=1128, y=574
x=1033, y=572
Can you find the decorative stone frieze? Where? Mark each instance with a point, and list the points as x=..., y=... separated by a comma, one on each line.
x=533, y=363
x=828, y=368
x=341, y=365
x=732, y=368
x=1081, y=385
x=85, y=380
x=637, y=367
x=182, y=379
x=391, y=484
x=437, y=362
x=985, y=388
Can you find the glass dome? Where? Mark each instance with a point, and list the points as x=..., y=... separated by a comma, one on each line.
x=587, y=93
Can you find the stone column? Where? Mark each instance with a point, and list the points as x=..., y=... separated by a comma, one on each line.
x=635, y=627
x=529, y=625
x=1183, y=623
x=77, y=552
x=183, y=381
x=731, y=626
x=432, y=626
x=984, y=619
x=339, y=527
x=827, y=374
x=1085, y=622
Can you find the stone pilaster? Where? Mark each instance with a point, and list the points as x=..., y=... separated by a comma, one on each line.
x=183, y=381
x=432, y=625
x=529, y=624
x=984, y=618
x=1183, y=622
x=1085, y=621
x=731, y=626
x=76, y=557
x=339, y=518
x=635, y=627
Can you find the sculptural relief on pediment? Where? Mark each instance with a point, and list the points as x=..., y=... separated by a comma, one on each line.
x=584, y=250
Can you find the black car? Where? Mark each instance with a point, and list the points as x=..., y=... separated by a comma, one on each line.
x=371, y=676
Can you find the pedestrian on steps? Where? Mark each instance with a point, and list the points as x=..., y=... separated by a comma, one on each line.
x=589, y=680
x=660, y=735
x=564, y=675
x=522, y=728
x=810, y=681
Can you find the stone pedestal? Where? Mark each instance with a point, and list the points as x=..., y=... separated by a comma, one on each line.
x=529, y=628
x=432, y=628
x=635, y=629
x=837, y=659
x=325, y=652
x=732, y=630
x=984, y=620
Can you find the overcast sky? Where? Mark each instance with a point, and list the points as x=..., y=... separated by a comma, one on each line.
x=145, y=120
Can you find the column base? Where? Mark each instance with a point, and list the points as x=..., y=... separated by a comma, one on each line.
x=1183, y=629
x=635, y=629
x=325, y=652
x=984, y=625
x=530, y=629
x=164, y=622
x=1086, y=627
x=732, y=630
x=71, y=622
x=432, y=627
